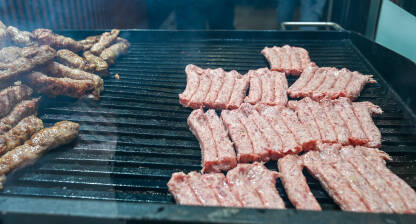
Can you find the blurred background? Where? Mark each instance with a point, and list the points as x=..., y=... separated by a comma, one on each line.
x=385, y=21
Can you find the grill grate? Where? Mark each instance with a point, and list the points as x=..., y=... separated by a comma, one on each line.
x=136, y=135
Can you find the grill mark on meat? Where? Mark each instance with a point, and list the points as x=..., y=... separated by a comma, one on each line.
x=302, y=135
x=281, y=87
x=306, y=118
x=46, y=139
x=181, y=190
x=105, y=40
x=46, y=36
x=333, y=183
x=369, y=196
x=17, y=135
x=259, y=145
x=255, y=93
x=273, y=141
x=227, y=88
x=192, y=78
x=59, y=86
x=199, y=127
x=370, y=129
x=288, y=139
x=376, y=158
x=239, y=135
x=325, y=129
x=344, y=108
x=224, y=148
x=217, y=76
x=373, y=178
x=239, y=92
x=296, y=89
x=202, y=191
x=337, y=123
x=20, y=111
x=203, y=89
x=11, y=96
x=294, y=182
x=218, y=183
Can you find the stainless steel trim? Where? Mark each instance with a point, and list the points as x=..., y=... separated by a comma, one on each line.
x=333, y=25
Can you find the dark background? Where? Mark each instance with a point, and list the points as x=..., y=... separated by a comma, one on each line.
x=177, y=14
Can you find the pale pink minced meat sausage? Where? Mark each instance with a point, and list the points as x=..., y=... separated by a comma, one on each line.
x=376, y=158
x=374, y=203
x=267, y=87
x=255, y=185
x=358, y=180
x=239, y=135
x=333, y=183
x=247, y=185
x=329, y=82
x=213, y=88
x=216, y=148
x=287, y=59
x=374, y=178
x=339, y=121
x=294, y=182
x=271, y=114
x=273, y=141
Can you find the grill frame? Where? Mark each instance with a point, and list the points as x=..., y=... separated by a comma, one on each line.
x=366, y=50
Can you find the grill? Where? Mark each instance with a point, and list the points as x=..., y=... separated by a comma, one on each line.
x=136, y=136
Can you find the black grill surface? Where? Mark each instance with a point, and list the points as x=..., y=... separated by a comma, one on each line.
x=136, y=136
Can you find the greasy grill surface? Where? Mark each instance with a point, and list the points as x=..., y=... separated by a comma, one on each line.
x=136, y=135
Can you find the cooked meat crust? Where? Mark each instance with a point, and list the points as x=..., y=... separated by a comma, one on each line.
x=11, y=96
x=105, y=40
x=114, y=51
x=14, y=60
x=71, y=59
x=101, y=66
x=46, y=139
x=62, y=71
x=20, y=111
x=46, y=36
x=17, y=135
x=89, y=41
x=53, y=86
x=21, y=38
